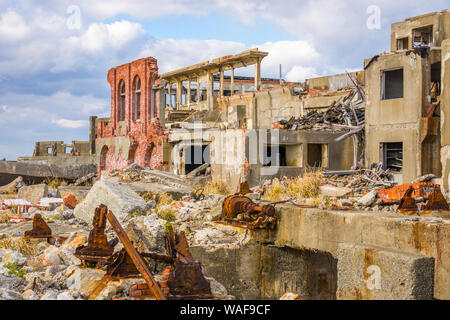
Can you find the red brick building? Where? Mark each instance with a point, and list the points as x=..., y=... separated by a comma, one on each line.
x=133, y=133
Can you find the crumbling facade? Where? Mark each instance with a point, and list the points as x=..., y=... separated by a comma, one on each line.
x=133, y=133
x=403, y=125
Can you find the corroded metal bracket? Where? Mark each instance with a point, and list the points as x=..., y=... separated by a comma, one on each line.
x=436, y=202
x=40, y=228
x=98, y=249
x=408, y=203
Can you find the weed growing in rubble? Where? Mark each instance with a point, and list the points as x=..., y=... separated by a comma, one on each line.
x=55, y=183
x=306, y=186
x=15, y=270
x=216, y=187
x=5, y=216
x=167, y=214
x=20, y=244
x=276, y=192
x=164, y=199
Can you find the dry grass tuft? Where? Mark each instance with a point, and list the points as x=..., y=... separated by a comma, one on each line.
x=55, y=183
x=276, y=192
x=216, y=187
x=164, y=199
x=168, y=214
x=306, y=186
x=5, y=215
x=20, y=244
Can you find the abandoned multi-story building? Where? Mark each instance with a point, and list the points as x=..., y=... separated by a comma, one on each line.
x=404, y=99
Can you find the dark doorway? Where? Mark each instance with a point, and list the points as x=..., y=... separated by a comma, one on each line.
x=195, y=156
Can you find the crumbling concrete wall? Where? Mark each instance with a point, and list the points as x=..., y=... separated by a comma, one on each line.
x=266, y=106
x=315, y=229
x=440, y=21
x=397, y=120
x=445, y=115
x=267, y=272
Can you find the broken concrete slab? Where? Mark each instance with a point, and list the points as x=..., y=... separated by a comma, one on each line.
x=13, y=186
x=39, y=170
x=120, y=199
x=376, y=273
x=368, y=199
x=332, y=191
x=33, y=193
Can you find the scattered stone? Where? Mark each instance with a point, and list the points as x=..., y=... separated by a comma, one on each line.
x=6, y=294
x=121, y=200
x=218, y=290
x=30, y=295
x=13, y=257
x=368, y=199
x=332, y=191
x=65, y=296
x=111, y=289
x=33, y=193
x=147, y=233
x=85, y=280
x=50, y=295
x=75, y=240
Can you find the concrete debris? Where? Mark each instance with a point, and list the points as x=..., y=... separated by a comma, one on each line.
x=121, y=199
x=13, y=186
x=33, y=193
x=368, y=199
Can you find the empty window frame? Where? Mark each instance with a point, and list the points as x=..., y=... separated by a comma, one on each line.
x=392, y=84
x=392, y=155
x=137, y=98
x=402, y=44
x=317, y=155
x=121, y=110
x=422, y=37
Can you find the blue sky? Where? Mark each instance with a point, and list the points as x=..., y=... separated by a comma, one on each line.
x=53, y=69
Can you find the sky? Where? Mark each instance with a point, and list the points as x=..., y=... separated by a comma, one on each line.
x=55, y=54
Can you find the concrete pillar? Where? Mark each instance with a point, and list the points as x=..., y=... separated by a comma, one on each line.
x=221, y=83
x=210, y=91
x=232, y=81
x=188, y=100
x=198, y=89
x=257, y=74
x=179, y=88
x=170, y=95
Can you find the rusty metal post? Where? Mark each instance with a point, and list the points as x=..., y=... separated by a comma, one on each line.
x=134, y=255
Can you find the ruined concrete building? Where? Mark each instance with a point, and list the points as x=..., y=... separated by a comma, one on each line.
x=162, y=121
x=404, y=99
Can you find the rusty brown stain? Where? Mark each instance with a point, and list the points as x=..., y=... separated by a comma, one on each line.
x=368, y=261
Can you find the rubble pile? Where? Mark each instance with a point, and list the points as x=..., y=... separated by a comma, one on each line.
x=363, y=180
x=344, y=114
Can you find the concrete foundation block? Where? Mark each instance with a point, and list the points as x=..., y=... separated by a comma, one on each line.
x=121, y=200
x=33, y=193
x=376, y=273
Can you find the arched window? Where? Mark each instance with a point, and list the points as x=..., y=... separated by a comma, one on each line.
x=137, y=98
x=121, y=100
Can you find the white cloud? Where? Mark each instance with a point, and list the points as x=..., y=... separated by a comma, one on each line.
x=13, y=27
x=65, y=123
x=300, y=73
